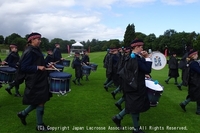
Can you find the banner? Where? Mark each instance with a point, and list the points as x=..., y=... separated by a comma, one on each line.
x=166, y=52
x=68, y=49
x=89, y=49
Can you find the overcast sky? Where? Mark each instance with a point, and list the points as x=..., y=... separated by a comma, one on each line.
x=84, y=20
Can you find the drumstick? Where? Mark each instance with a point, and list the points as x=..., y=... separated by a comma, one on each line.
x=56, y=62
x=54, y=67
x=84, y=64
x=49, y=69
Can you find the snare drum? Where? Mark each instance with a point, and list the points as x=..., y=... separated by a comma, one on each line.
x=59, y=82
x=7, y=74
x=154, y=92
x=86, y=70
x=93, y=67
x=66, y=63
x=61, y=67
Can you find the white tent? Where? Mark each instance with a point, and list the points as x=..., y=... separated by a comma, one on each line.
x=77, y=47
x=77, y=44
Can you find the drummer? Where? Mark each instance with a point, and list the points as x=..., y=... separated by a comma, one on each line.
x=86, y=61
x=57, y=54
x=49, y=58
x=36, y=92
x=12, y=61
x=136, y=66
x=77, y=67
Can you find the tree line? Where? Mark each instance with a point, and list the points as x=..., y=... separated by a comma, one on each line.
x=174, y=41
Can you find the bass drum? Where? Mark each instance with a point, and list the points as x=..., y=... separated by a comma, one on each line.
x=158, y=60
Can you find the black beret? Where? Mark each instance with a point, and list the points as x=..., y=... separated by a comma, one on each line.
x=192, y=52
x=33, y=36
x=137, y=42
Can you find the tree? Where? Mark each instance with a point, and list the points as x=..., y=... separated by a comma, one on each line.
x=20, y=42
x=12, y=37
x=45, y=44
x=1, y=39
x=129, y=34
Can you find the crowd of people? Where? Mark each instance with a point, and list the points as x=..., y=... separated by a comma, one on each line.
x=31, y=69
x=127, y=68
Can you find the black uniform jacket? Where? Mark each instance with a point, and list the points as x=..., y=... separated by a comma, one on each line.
x=135, y=91
x=78, y=66
x=37, y=87
x=12, y=59
x=194, y=81
x=57, y=55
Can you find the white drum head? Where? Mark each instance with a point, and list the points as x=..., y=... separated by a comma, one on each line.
x=151, y=85
x=158, y=60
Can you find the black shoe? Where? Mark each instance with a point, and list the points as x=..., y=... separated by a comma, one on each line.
x=74, y=81
x=117, y=121
x=79, y=84
x=179, y=87
x=182, y=106
x=198, y=113
x=138, y=131
x=166, y=81
x=42, y=127
x=18, y=95
x=176, y=83
x=1, y=86
x=87, y=79
x=106, y=88
x=118, y=106
x=8, y=90
x=113, y=94
x=22, y=118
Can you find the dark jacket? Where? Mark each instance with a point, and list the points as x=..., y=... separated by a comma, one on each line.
x=173, y=67
x=49, y=58
x=85, y=59
x=77, y=66
x=36, y=81
x=57, y=55
x=194, y=80
x=12, y=59
x=133, y=75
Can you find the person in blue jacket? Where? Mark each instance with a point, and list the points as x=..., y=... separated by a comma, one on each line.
x=36, y=92
x=12, y=60
x=57, y=54
x=136, y=66
x=193, y=82
x=77, y=66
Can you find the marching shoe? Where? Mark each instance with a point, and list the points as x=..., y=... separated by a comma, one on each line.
x=182, y=106
x=18, y=95
x=198, y=113
x=79, y=84
x=22, y=118
x=8, y=90
x=74, y=81
x=118, y=106
x=117, y=121
x=166, y=81
x=43, y=127
x=179, y=87
x=113, y=94
x=106, y=88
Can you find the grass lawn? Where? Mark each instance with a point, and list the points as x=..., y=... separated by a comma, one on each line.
x=89, y=106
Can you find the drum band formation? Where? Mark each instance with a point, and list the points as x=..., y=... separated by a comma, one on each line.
x=59, y=81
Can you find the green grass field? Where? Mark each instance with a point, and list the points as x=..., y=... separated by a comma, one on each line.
x=89, y=106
